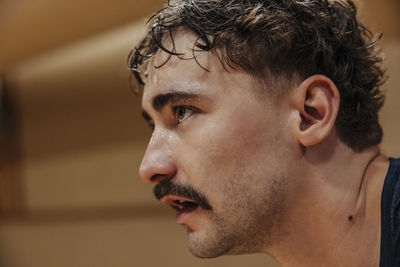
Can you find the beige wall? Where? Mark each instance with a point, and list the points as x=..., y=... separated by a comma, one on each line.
x=390, y=115
x=82, y=139
x=108, y=243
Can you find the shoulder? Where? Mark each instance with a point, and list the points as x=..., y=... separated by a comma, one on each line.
x=391, y=209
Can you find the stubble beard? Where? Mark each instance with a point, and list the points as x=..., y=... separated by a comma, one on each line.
x=251, y=227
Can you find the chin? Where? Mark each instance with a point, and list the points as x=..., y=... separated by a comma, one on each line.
x=215, y=245
x=207, y=247
x=206, y=253
x=213, y=252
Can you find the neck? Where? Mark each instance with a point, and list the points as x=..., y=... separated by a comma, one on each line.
x=336, y=219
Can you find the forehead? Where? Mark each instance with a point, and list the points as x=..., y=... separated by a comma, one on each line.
x=193, y=72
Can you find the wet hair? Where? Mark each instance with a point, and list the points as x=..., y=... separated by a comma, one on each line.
x=285, y=39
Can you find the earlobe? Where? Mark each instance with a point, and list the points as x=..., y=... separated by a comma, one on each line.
x=317, y=102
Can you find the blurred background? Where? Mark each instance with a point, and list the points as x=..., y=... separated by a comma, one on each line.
x=72, y=137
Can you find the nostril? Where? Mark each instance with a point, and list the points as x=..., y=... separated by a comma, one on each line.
x=158, y=178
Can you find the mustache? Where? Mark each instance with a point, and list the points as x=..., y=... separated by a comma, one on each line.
x=166, y=187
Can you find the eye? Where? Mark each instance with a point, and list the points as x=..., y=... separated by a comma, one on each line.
x=151, y=124
x=148, y=119
x=182, y=113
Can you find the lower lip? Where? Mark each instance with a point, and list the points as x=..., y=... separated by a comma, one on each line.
x=182, y=215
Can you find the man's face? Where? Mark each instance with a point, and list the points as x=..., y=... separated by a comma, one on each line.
x=215, y=135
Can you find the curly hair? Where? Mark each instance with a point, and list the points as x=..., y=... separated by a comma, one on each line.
x=284, y=38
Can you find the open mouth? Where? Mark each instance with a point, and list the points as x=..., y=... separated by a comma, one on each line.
x=180, y=203
x=180, y=197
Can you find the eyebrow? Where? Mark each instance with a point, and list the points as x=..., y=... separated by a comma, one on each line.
x=162, y=100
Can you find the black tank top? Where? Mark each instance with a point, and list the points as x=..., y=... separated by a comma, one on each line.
x=390, y=217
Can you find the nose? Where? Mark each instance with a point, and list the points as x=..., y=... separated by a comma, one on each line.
x=157, y=163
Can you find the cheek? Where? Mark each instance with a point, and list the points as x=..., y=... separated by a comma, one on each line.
x=236, y=141
x=224, y=141
x=226, y=157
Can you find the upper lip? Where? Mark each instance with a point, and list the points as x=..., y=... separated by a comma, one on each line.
x=177, y=202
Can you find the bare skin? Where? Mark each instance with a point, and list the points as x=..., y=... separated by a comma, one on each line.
x=339, y=223
x=276, y=175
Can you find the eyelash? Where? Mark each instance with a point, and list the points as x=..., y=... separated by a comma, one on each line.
x=151, y=124
x=176, y=109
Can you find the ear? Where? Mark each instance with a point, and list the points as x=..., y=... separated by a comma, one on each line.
x=316, y=101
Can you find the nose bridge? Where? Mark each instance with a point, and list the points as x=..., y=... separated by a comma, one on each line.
x=157, y=163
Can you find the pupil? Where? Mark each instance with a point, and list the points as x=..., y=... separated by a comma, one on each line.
x=181, y=113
